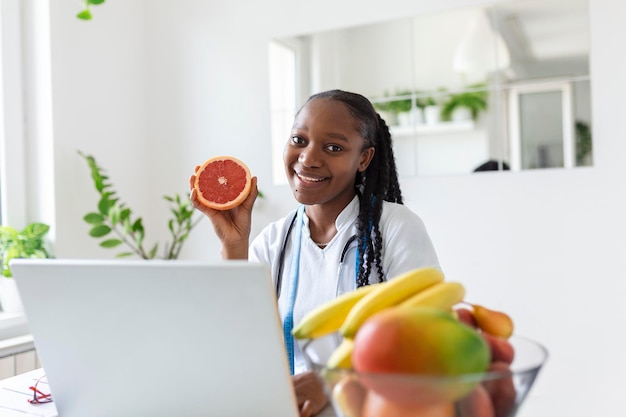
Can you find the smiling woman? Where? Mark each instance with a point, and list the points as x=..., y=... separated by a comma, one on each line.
x=462, y=77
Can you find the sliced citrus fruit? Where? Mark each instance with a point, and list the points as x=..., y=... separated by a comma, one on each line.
x=222, y=182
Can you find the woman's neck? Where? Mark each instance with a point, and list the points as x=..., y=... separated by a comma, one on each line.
x=322, y=221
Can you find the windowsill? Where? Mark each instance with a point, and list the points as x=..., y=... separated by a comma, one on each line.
x=13, y=325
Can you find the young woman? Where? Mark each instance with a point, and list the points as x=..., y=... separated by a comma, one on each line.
x=350, y=229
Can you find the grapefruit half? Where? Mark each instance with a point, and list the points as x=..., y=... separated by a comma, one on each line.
x=222, y=182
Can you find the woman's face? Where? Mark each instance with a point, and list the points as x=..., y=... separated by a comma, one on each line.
x=324, y=153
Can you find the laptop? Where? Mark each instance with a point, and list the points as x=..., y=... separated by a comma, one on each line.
x=157, y=338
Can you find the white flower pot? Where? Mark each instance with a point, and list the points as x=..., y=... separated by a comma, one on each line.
x=404, y=119
x=431, y=114
x=411, y=118
x=391, y=119
x=10, y=300
x=461, y=114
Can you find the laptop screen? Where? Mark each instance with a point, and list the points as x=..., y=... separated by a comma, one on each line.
x=157, y=338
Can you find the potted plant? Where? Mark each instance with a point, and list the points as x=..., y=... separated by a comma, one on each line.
x=465, y=105
x=402, y=108
x=432, y=105
x=115, y=223
x=27, y=243
x=402, y=105
x=583, y=143
x=386, y=108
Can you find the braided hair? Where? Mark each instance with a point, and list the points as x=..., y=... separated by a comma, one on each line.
x=378, y=183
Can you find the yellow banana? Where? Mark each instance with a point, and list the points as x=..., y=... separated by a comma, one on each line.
x=442, y=296
x=342, y=355
x=328, y=317
x=388, y=294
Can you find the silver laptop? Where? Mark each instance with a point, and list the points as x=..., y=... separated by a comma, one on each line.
x=157, y=338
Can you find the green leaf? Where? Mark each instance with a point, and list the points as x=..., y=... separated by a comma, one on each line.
x=114, y=213
x=93, y=218
x=124, y=254
x=170, y=225
x=95, y=2
x=124, y=215
x=139, y=237
x=153, y=251
x=137, y=226
x=127, y=226
x=176, y=215
x=103, y=206
x=84, y=15
x=110, y=243
x=100, y=230
x=36, y=230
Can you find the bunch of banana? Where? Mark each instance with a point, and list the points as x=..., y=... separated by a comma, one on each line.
x=328, y=317
x=346, y=313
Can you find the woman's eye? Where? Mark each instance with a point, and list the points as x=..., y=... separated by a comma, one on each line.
x=334, y=148
x=297, y=140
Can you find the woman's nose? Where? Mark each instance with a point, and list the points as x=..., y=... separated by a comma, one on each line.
x=310, y=157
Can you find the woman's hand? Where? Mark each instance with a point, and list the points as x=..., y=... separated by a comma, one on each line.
x=309, y=393
x=233, y=226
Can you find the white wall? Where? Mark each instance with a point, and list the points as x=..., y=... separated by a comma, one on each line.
x=154, y=87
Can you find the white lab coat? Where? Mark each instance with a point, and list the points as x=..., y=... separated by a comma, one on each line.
x=406, y=245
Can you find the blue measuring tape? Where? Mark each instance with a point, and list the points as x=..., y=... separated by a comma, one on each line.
x=293, y=290
x=293, y=285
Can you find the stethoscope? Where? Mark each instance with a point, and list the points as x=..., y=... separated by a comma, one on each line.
x=283, y=249
x=288, y=320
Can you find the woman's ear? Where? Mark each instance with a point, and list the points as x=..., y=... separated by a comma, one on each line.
x=366, y=158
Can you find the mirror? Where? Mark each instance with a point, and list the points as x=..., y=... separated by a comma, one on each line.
x=504, y=87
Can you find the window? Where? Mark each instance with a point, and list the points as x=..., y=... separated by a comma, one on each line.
x=540, y=120
x=11, y=113
x=26, y=157
x=282, y=61
x=26, y=148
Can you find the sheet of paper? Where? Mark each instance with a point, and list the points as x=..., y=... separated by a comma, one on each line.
x=15, y=392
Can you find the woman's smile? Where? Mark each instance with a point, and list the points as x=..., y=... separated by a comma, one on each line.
x=306, y=178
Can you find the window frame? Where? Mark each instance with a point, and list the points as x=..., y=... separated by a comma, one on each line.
x=12, y=129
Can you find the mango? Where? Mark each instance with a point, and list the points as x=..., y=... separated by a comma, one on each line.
x=493, y=322
x=418, y=341
x=379, y=406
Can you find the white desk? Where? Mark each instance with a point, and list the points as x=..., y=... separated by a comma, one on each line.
x=14, y=395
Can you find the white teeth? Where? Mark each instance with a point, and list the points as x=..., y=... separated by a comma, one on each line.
x=309, y=179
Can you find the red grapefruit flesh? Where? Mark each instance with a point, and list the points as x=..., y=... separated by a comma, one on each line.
x=222, y=182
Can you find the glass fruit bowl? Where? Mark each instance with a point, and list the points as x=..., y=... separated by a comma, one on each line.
x=499, y=392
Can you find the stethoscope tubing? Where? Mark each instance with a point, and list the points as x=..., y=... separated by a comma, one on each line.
x=283, y=249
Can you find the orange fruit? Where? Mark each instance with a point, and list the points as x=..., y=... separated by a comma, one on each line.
x=222, y=182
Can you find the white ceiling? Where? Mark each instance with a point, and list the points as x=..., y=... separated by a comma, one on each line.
x=543, y=30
